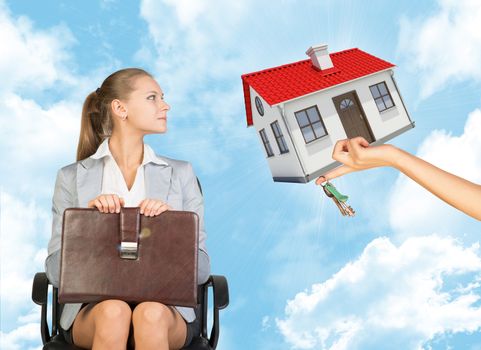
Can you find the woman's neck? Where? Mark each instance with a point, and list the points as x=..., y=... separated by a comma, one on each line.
x=128, y=152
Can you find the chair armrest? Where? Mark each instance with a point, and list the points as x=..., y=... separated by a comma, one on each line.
x=220, y=291
x=40, y=297
x=40, y=288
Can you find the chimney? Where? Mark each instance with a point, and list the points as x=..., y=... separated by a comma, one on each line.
x=319, y=56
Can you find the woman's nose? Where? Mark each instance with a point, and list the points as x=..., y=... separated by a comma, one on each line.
x=164, y=106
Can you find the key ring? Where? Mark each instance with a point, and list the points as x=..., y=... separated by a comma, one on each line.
x=338, y=198
x=323, y=184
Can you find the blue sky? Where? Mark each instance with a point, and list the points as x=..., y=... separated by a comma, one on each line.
x=404, y=273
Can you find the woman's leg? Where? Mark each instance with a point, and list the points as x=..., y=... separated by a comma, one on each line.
x=157, y=326
x=103, y=325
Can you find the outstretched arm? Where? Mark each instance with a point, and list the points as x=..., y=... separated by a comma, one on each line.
x=356, y=154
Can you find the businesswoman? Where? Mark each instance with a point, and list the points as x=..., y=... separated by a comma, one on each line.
x=115, y=168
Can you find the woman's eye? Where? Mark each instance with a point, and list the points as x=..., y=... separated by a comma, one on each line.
x=151, y=96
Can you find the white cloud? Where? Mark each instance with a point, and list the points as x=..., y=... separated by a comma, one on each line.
x=35, y=66
x=32, y=316
x=401, y=295
x=32, y=58
x=23, y=226
x=31, y=133
x=444, y=47
x=187, y=39
x=21, y=338
x=414, y=210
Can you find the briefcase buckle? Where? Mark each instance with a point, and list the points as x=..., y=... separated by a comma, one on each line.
x=129, y=250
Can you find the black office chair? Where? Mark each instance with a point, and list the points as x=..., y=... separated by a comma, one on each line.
x=55, y=341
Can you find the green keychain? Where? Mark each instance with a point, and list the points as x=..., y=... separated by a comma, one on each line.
x=338, y=198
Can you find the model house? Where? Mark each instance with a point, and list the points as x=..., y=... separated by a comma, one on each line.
x=301, y=109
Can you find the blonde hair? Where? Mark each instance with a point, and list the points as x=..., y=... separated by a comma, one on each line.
x=96, y=122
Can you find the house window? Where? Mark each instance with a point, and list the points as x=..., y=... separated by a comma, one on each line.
x=346, y=103
x=266, y=143
x=381, y=95
x=281, y=142
x=311, y=124
x=259, y=106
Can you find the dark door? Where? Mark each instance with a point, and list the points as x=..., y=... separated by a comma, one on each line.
x=352, y=116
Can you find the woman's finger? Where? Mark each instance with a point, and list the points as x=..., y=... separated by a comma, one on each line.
x=148, y=207
x=142, y=205
x=117, y=203
x=364, y=143
x=162, y=208
x=155, y=207
x=321, y=179
x=97, y=204
x=111, y=203
x=359, y=140
x=342, y=170
x=339, y=147
x=357, y=145
x=105, y=204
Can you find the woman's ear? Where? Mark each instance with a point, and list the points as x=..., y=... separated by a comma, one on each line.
x=119, y=108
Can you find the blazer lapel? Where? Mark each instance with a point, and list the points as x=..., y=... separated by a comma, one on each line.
x=157, y=181
x=89, y=180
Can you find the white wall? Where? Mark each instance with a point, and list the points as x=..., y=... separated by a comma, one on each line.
x=281, y=165
x=317, y=154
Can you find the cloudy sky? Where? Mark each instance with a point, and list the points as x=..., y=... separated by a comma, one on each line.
x=404, y=273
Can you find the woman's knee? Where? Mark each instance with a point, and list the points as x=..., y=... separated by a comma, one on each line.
x=113, y=310
x=153, y=313
x=112, y=317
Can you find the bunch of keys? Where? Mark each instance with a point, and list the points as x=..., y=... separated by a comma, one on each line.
x=338, y=198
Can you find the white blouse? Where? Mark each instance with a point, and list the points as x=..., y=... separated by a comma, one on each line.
x=113, y=181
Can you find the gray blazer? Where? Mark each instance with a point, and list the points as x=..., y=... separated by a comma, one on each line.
x=78, y=183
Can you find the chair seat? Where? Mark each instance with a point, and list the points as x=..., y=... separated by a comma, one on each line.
x=220, y=291
x=199, y=343
x=59, y=343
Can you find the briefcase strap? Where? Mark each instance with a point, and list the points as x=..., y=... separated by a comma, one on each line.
x=129, y=232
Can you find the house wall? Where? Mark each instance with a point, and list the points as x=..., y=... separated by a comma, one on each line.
x=281, y=165
x=317, y=155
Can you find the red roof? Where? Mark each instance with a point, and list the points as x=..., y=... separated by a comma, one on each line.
x=282, y=83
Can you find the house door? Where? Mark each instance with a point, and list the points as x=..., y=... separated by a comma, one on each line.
x=352, y=116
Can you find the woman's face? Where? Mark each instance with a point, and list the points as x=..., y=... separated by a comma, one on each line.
x=145, y=108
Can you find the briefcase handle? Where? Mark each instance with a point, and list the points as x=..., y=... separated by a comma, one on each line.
x=129, y=232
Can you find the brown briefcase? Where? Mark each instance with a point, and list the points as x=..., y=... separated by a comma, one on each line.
x=129, y=256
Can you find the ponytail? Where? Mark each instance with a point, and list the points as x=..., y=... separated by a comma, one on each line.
x=96, y=121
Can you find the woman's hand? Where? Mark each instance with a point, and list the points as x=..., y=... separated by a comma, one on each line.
x=107, y=203
x=153, y=207
x=356, y=154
